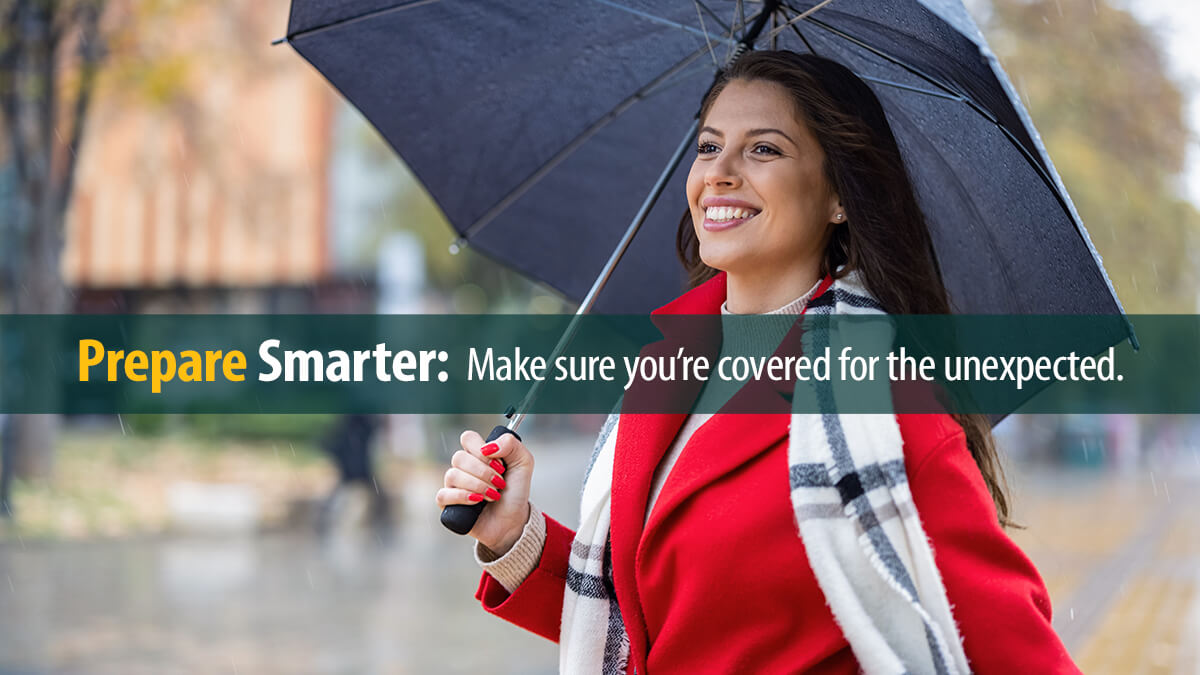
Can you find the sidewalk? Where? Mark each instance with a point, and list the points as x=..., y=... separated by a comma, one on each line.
x=1120, y=555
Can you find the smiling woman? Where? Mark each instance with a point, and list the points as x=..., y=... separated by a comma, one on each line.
x=776, y=541
x=759, y=192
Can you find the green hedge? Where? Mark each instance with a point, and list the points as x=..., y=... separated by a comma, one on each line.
x=310, y=428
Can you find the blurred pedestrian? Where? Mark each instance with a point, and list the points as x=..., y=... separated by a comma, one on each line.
x=349, y=446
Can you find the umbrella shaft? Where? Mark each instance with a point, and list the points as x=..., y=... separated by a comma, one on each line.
x=606, y=273
x=746, y=43
x=636, y=224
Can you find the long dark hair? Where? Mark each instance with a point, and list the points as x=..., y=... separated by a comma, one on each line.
x=885, y=238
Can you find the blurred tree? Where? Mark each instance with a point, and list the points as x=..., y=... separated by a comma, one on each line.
x=49, y=54
x=1096, y=84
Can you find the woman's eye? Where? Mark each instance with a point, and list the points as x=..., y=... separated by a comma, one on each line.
x=762, y=149
x=706, y=149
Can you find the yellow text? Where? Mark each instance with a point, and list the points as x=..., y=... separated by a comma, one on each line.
x=160, y=365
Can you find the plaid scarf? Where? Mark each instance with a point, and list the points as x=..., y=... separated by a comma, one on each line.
x=854, y=512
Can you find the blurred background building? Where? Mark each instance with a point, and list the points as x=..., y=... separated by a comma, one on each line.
x=223, y=184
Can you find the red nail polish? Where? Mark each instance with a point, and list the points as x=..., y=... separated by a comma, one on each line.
x=489, y=449
x=475, y=497
x=498, y=482
x=498, y=466
x=493, y=494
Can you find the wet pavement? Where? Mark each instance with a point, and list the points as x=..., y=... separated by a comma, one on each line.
x=1120, y=555
x=276, y=603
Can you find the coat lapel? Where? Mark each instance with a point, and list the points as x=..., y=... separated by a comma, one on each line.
x=752, y=422
x=644, y=439
x=715, y=450
x=639, y=440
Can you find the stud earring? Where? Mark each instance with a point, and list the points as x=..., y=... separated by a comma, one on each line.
x=838, y=217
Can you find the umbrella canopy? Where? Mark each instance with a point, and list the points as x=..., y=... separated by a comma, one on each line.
x=539, y=127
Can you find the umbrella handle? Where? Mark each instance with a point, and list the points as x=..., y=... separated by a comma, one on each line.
x=460, y=518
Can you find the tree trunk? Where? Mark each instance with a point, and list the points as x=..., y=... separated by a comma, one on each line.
x=45, y=124
x=40, y=291
x=6, y=445
x=32, y=453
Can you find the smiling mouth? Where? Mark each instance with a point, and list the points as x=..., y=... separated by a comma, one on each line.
x=723, y=217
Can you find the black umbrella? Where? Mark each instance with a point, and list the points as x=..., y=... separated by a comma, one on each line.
x=539, y=128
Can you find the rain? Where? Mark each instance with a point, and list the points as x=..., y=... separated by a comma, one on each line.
x=221, y=175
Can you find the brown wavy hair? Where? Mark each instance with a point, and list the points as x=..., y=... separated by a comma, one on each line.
x=885, y=238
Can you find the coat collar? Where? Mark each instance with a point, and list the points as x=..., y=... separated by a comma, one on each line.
x=728, y=441
x=703, y=299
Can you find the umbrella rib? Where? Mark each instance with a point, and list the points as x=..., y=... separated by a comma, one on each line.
x=568, y=149
x=707, y=39
x=962, y=188
x=888, y=83
x=658, y=19
x=679, y=78
x=1033, y=161
x=360, y=17
x=909, y=87
x=708, y=11
x=903, y=64
x=971, y=103
x=741, y=24
x=796, y=30
x=776, y=30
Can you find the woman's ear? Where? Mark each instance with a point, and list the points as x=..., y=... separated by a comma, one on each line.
x=837, y=215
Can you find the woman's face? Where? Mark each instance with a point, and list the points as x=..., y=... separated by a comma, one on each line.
x=759, y=199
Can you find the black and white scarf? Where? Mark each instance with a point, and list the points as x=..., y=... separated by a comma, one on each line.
x=854, y=512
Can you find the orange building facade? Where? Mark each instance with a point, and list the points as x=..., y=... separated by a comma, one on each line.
x=222, y=182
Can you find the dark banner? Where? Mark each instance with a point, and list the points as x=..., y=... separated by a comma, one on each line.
x=105, y=364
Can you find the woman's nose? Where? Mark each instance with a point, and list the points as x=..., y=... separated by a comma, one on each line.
x=722, y=172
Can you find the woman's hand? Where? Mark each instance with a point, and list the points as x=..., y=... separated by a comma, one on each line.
x=475, y=475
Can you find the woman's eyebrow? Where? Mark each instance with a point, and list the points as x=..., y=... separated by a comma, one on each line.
x=752, y=132
x=760, y=132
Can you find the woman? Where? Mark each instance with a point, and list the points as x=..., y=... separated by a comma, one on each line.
x=688, y=556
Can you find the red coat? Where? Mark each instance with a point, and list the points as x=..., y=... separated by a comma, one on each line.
x=718, y=581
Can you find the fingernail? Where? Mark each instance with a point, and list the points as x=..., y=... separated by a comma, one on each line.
x=498, y=482
x=475, y=497
x=498, y=466
x=489, y=449
x=493, y=494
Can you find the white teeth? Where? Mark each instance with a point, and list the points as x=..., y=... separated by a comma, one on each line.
x=719, y=213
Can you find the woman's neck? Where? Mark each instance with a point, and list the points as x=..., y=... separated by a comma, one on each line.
x=762, y=293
